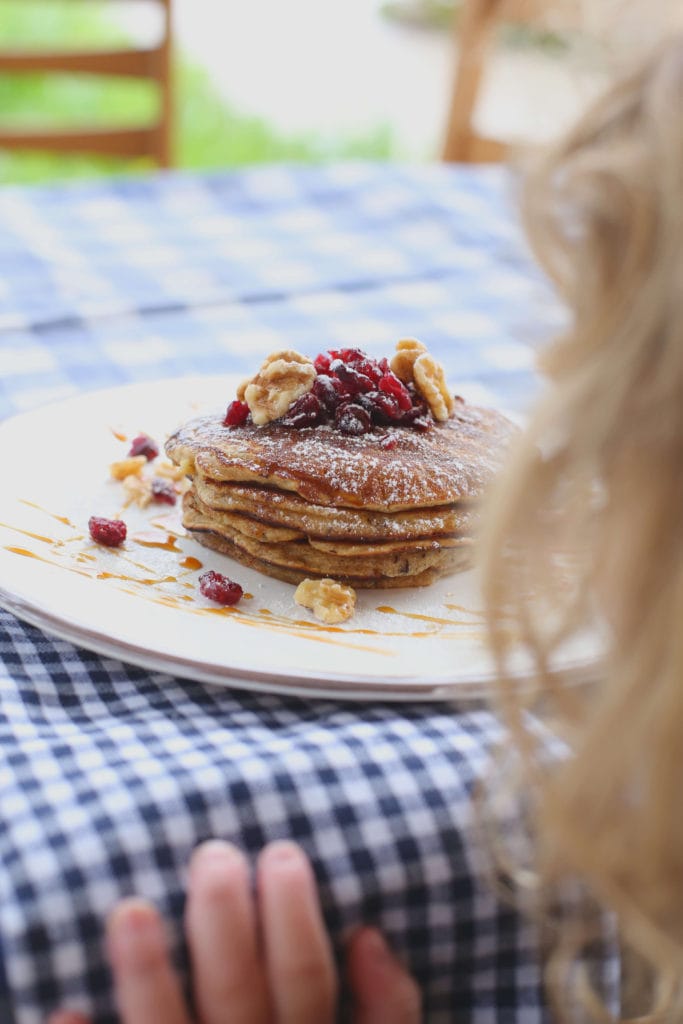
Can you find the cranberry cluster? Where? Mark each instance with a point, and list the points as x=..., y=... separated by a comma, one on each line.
x=354, y=393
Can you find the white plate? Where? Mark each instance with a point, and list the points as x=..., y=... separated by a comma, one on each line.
x=140, y=603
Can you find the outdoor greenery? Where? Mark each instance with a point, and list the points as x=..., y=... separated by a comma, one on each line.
x=444, y=15
x=209, y=134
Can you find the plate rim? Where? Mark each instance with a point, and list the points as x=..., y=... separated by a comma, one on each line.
x=428, y=689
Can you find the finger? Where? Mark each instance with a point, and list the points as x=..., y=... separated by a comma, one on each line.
x=146, y=987
x=299, y=961
x=229, y=979
x=383, y=991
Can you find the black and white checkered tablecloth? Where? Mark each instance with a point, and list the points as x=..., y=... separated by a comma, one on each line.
x=109, y=774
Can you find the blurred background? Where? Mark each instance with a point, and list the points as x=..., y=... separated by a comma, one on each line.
x=301, y=80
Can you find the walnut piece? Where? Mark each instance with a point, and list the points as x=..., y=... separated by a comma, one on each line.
x=430, y=381
x=127, y=467
x=170, y=471
x=331, y=602
x=283, y=377
x=407, y=351
x=138, y=489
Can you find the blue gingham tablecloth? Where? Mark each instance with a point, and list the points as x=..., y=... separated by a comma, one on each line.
x=109, y=775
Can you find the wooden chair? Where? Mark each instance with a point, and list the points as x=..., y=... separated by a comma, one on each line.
x=474, y=33
x=152, y=63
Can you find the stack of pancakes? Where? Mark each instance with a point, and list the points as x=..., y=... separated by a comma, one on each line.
x=391, y=508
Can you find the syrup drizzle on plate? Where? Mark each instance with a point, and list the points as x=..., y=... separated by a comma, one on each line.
x=88, y=561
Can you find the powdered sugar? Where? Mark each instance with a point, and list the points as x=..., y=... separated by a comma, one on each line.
x=450, y=463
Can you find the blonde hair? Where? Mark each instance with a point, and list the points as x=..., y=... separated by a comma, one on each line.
x=589, y=513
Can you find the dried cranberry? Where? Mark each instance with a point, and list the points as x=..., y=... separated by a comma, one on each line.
x=352, y=419
x=422, y=423
x=352, y=355
x=389, y=441
x=390, y=384
x=307, y=411
x=219, y=588
x=355, y=382
x=365, y=402
x=370, y=368
x=163, y=491
x=110, y=532
x=322, y=363
x=236, y=414
x=327, y=390
x=382, y=407
x=356, y=359
x=416, y=410
x=143, y=445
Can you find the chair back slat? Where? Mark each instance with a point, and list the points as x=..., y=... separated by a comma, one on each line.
x=141, y=63
x=147, y=63
x=127, y=142
x=473, y=36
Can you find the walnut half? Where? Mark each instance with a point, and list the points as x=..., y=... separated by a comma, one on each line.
x=282, y=378
x=331, y=602
x=407, y=351
x=430, y=381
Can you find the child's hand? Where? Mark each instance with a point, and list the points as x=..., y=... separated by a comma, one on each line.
x=254, y=960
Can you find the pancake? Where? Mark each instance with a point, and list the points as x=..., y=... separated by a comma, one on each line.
x=279, y=572
x=452, y=462
x=348, y=467
x=286, y=509
x=253, y=527
x=347, y=549
x=236, y=522
x=301, y=557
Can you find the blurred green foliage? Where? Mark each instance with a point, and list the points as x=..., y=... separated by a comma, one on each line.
x=209, y=133
x=444, y=14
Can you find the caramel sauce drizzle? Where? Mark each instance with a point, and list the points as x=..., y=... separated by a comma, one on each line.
x=33, y=536
x=194, y=563
x=473, y=612
x=150, y=540
x=302, y=628
x=121, y=554
x=387, y=610
x=48, y=561
x=60, y=519
x=170, y=524
x=135, y=579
